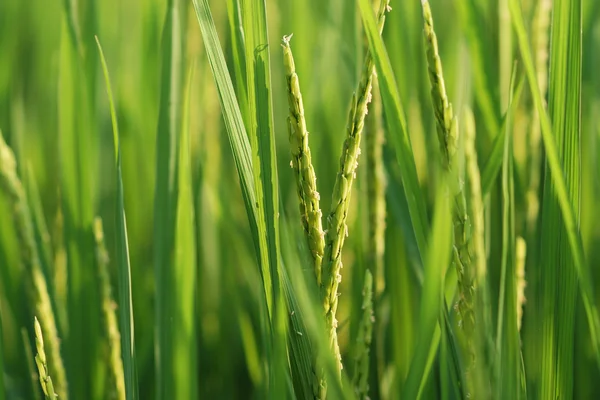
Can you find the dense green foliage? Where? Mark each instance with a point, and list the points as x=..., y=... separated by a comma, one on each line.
x=179, y=194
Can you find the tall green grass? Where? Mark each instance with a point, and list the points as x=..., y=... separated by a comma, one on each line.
x=466, y=224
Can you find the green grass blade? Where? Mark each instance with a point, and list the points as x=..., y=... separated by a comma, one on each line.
x=183, y=319
x=238, y=49
x=471, y=18
x=166, y=202
x=507, y=338
x=560, y=287
x=110, y=324
x=262, y=141
x=493, y=165
x=263, y=220
x=234, y=124
x=438, y=258
x=123, y=267
x=77, y=152
x=569, y=223
x=396, y=123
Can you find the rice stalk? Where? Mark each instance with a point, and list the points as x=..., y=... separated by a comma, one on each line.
x=39, y=297
x=306, y=180
x=337, y=229
x=360, y=380
x=42, y=365
x=111, y=327
x=447, y=131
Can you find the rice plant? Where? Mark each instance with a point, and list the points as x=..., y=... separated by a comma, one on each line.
x=273, y=199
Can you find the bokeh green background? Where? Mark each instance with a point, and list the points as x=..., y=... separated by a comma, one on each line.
x=328, y=45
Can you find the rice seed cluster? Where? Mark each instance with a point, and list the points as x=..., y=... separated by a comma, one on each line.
x=306, y=180
x=447, y=129
x=326, y=247
x=42, y=365
x=337, y=229
x=306, y=183
x=38, y=290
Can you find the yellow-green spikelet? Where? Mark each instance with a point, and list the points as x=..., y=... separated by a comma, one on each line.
x=447, y=130
x=446, y=124
x=42, y=365
x=337, y=229
x=38, y=289
x=306, y=180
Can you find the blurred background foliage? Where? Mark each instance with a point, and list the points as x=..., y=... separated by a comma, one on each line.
x=36, y=105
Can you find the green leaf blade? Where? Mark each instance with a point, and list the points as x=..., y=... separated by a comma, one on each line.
x=126, y=321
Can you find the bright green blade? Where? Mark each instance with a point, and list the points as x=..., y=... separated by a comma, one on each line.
x=238, y=48
x=559, y=282
x=266, y=231
x=396, y=123
x=166, y=195
x=559, y=215
x=264, y=162
x=471, y=18
x=438, y=258
x=402, y=299
x=123, y=267
x=110, y=328
x=238, y=139
x=507, y=339
x=77, y=153
x=183, y=319
x=493, y=165
x=262, y=141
